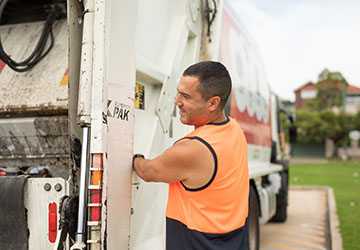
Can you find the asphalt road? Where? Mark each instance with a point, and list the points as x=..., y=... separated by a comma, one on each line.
x=306, y=227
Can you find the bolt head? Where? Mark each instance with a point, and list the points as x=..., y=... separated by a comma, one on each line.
x=58, y=187
x=47, y=186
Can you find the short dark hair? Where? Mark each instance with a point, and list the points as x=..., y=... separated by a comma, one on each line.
x=214, y=80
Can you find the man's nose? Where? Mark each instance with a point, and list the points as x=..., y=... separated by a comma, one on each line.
x=177, y=100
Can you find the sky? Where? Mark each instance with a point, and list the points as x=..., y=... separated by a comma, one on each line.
x=298, y=39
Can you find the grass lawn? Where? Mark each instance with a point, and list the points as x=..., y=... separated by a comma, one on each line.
x=344, y=178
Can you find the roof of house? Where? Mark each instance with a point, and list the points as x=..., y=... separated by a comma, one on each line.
x=312, y=86
x=352, y=87
x=306, y=86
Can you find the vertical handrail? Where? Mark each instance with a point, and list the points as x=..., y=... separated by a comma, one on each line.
x=79, y=243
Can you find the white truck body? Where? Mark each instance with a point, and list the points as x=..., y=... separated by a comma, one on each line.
x=125, y=59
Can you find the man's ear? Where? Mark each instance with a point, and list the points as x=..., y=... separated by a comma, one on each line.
x=213, y=103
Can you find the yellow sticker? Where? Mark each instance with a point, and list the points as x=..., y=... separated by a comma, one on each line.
x=139, y=96
x=65, y=80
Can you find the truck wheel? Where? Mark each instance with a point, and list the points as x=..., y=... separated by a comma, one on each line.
x=253, y=234
x=282, y=199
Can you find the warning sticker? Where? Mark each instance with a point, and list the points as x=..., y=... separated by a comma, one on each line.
x=65, y=80
x=139, y=96
x=2, y=66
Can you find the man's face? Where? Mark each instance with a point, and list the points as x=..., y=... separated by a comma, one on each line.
x=193, y=109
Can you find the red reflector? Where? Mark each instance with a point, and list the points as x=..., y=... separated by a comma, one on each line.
x=95, y=211
x=52, y=222
x=2, y=172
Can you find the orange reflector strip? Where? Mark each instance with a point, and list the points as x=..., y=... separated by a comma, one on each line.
x=97, y=175
x=282, y=138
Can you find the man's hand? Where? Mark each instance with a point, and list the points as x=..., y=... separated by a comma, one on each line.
x=137, y=156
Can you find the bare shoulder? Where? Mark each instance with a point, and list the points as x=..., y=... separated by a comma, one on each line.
x=190, y=148
x=198, y=160
x=187, y=154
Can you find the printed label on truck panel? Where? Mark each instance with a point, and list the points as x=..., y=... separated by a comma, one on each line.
x=139, y=96
x=117, y=110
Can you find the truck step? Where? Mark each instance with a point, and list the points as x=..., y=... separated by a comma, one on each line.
x=93, y=187
x=93, y=223
x=94, y=205
x=96, y=169
x=93, y=241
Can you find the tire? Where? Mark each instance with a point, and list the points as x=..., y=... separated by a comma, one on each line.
x=254, y=212
x=282, y=199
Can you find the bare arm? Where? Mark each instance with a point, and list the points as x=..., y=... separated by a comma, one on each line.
x=188, y=160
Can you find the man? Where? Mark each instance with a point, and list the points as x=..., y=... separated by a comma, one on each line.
x=207, y=169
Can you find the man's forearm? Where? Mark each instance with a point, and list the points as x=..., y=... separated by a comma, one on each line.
x=141, y=167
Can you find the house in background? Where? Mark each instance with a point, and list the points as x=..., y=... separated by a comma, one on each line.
x=304, y=93
x=352, y=100
x=309, y=91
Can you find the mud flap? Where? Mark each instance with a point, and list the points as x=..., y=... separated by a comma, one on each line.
x=13, y=223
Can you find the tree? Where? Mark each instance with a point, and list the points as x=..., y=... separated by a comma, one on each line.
x=316, y=127
x=318, y=121
x=330, y=86
x=310, y=127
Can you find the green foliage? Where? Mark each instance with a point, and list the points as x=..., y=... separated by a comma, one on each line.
x=344, y=178
x=285, y=124
x=331, y=76
x=309, y=126
x=356, y=121
x=318, y=121
x=316, y=126
x=330, y=87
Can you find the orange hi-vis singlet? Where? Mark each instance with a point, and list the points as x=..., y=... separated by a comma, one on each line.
x=214, y=216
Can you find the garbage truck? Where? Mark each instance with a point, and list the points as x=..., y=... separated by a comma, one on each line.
x=85, y=84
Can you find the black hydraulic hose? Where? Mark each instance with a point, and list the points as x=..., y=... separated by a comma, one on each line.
x=38, y=53
x=210, y=19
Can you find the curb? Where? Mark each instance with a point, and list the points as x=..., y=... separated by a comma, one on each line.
x=335, y=236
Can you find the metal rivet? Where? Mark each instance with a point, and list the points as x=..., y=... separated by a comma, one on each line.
x=58, y=187
x=47, y=187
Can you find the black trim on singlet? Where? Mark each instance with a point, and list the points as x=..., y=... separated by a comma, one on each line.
x=220, y=123
x=215, y=167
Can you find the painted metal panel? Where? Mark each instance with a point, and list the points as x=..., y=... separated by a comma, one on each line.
x=116, y=101
x=250, y=99
x=156, y=130
x=44, y=88
x=36, y=201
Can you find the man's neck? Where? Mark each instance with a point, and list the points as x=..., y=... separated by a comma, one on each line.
x=216, y=118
